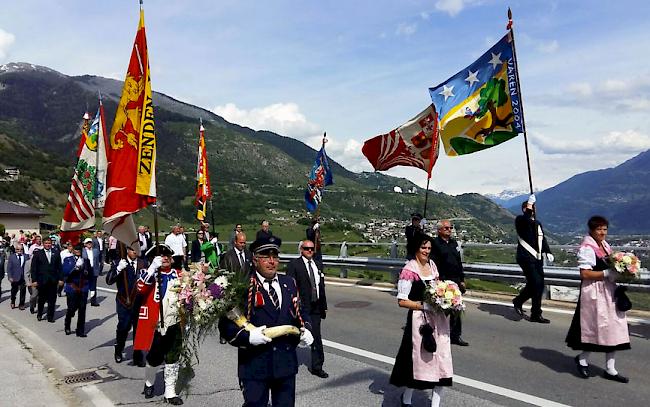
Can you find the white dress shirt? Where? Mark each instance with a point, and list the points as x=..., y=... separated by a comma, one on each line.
x=275, y=284
x=316, y=273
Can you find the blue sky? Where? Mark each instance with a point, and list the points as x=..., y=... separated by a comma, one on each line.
x=357, y=69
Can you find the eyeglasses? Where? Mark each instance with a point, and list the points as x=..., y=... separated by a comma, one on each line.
x=308, y=249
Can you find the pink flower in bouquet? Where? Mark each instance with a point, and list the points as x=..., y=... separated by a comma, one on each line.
x=618, y=256
x=185, y=294
x=199, y=276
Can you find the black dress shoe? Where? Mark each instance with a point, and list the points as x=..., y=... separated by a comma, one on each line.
x=540, y=320
x=51, y=321
x=94, y=304
x=39, y=317
x=21, y=307
x=68, y=331
x=176, y=401
x=518, y=310
x=118, y=357
x=222, y=340
x=459, y=342
x=320, y=373
x=617, y=377
x=583, y=371
x=31, y=310
x=81, y=335
x=148, y=391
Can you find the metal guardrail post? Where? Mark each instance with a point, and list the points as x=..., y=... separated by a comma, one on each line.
x=343, y=254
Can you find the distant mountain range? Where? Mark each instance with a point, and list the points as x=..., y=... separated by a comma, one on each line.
x=507, y=197
x=255, y=174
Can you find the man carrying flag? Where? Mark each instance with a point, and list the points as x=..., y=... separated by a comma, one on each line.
x=319, y=177
x=203, y=192
x=131, y=177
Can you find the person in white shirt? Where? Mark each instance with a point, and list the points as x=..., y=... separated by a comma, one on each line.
x=176, y=242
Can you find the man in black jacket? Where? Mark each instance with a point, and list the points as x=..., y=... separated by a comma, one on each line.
x=311, y=285
x=47, y=274
x=239, y=258
x=532, y=244
x=445, y=252
x=411, y=232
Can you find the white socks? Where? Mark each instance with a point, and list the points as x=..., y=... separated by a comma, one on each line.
x=406, y=397
x=436, y=396
x=611, y=363
x=171, y=376
x=150, y=375
x=582, y=358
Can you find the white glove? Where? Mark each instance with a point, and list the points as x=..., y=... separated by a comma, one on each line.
x=256, y=336
x=427, y=307
x=316, y=226
x=121, y=265
x=550, y=258
x=610, y=275
x=423, y=223
x=306, y=338
x=156, y=263
x=214, y=241
x=80, y=262
x=532, y=199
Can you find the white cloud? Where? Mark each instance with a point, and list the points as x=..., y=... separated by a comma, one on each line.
x=6, y=41
x=424, y=15
x=453, y=7
x=282, y=118
x=581, y=89
x=616, y=142
x=548, y=47
x=406, y=29
x=629, y=94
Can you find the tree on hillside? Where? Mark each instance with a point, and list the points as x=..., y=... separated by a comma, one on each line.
x=493, y=95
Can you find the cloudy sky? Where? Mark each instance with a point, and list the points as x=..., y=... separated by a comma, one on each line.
x=360, y=68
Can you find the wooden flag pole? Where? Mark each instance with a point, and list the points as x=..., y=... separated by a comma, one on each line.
x=521, y=98
x=434, y=144
x=426, y=198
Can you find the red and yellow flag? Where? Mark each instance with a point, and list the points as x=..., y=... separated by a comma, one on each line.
x=131, y=175
x=203, y=191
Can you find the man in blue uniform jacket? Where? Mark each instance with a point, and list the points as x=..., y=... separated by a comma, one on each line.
x=264, y=364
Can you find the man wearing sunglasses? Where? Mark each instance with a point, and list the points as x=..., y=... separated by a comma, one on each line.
x=311, y=285
x=445, y=252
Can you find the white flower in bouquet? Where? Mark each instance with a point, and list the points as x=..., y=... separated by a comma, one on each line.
x=222, y=281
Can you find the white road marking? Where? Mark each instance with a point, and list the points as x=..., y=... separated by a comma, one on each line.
x=490, y=388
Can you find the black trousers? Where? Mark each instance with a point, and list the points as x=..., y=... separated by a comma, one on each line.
x=534, y=289
x=317, y=353
x=127, y=318
x=177, y=262
x=455, y=326
x=76, y=301
x=47, y=293
x=166, y=348
x=15, y=287
x=256, y=392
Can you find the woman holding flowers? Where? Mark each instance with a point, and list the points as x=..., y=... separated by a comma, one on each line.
x=597, y=325
x=415, y=367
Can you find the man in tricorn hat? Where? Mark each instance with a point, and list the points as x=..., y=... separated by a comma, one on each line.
x=124, y=273
x=265, y=364
x=162, y=339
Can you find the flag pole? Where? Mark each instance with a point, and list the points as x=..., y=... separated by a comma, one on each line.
x=434, y=142
x=521, y=98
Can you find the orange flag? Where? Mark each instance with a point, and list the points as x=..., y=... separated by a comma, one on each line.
x=131, y=174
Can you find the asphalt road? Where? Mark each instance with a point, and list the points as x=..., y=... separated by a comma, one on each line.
x=514, y=355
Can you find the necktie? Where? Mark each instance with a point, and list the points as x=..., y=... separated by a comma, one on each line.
x=312, y=279
x=273, y=294
x=20, y=259
x=133, y=264
x=241, y=259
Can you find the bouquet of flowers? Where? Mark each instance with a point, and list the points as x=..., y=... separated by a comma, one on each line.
x=204, y=295
x=626, y=264
x=445, y=296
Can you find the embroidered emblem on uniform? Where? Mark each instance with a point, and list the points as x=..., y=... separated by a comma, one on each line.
x=144, y=312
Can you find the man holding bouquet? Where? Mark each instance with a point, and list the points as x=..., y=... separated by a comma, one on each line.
x=265, y=364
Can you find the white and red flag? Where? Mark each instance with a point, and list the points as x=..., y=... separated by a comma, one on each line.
x=88, y=179
x=203, y=190
x=131, y=175
x=413, y=144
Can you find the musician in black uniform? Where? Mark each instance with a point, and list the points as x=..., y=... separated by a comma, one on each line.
x=268, y=365
x=125, y=273
x=445, y=252
x=532, y=245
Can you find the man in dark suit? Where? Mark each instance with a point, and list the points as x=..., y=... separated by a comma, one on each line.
x=311, y=285
x=93, y=254
x=532, y=245
x=76, y=272
x=46, y=276
x=239, y=258
x=125, y=273
x=16, y=275
x=264, y=364
x=411, y=232
x=445, y=253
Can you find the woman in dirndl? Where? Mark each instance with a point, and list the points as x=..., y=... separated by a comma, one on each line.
x=597, y=325
x=416, y=368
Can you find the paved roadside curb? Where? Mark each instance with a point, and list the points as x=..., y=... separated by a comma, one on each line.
x=29, y=359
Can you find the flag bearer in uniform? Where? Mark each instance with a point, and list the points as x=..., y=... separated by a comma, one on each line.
x=162, y=339
x=124, y=273
x=77, y=273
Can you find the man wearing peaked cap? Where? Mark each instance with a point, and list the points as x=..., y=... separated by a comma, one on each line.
x=162, y=339
x=268, y=365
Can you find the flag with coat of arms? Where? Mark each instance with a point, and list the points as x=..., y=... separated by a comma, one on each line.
x=320, y=176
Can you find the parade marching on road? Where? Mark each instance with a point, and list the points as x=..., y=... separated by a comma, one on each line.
x=510, y=362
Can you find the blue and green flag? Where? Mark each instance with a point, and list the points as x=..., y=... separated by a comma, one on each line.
x=480, y=106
